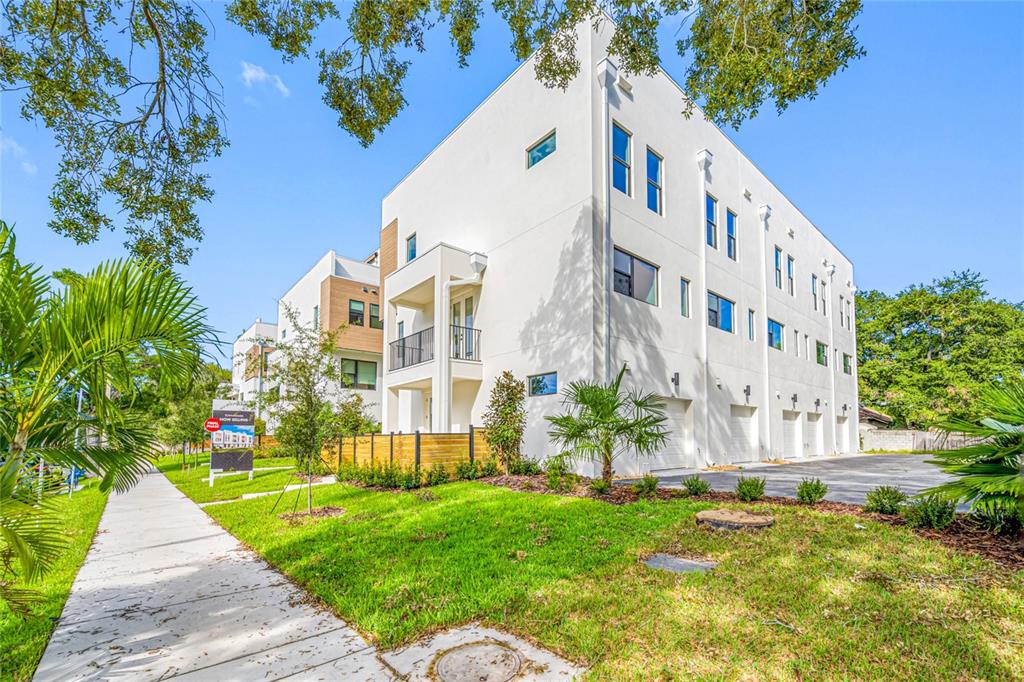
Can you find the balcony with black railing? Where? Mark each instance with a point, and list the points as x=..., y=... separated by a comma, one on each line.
x=465, y=342
x=412, y=350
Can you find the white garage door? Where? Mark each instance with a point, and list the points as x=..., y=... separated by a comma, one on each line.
x=843, y=433
x=679, y=452
x=742, y=434
x=815, y=435
x=792, y=438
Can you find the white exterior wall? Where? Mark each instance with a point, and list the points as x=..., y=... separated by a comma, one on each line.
x=540, y=305
x=246, y=389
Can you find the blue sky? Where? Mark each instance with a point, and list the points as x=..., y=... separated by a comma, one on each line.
x=911, y=161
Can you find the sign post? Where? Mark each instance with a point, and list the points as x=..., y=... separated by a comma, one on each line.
x=233, y=432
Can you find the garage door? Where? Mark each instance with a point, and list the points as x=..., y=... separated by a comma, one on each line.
x=679, y=452
x=815, y=435
x=843, y=433
x=742, y=434
x=792, y=438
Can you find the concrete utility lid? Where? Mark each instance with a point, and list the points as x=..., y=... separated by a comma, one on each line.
x=674, y=564
x=483, y=661
x=733, y=519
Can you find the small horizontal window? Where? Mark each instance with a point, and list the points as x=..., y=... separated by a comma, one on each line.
x=636, y=278
x=540, y=151
x=720, y=312
x=543, y=384
x=361, y=374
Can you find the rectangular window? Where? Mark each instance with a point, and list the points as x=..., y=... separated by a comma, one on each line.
x=410, y=248
x=842, y=321
x=814, y=290
x=796, y=342
x=775, y=334
x=778, y=268
x=847, y=364
x=375, y=320
x=622, y=169
x=821, y=353
x=730, y=234
x=401, y=330
x=541, y=150
x=684, y=297
x=790, y=274
x=543, y=384
x=720, y=312
x=654, y=170
x=711, y=216
x=807, y=346
x=824, y=299
x=750, y=325
x=316, y=317
x=361, y=374
x=356, y=310
x=849, y=316
x=636, y=278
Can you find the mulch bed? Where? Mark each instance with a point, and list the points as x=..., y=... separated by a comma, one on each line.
x=318, y=513
x=963, y=535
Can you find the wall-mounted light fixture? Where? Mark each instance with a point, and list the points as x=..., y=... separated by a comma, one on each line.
x=794, y=398
x=817, y=404
x=675, y=380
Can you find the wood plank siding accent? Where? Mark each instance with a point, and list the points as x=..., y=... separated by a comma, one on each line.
x=335, y=293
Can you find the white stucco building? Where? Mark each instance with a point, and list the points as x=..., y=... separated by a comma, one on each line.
x=561, y=235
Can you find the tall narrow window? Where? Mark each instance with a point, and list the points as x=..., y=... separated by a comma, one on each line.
x=636, y=278
x=316, y=317
x=849, y=316
x=842, y=319
x=824, y=299
x=684, y=296
x=796, y=342
x=807, y=346
x=711, y=216
x=730, y=234
x=356, y=312
x=621, y=163
x=401, y=330
x=750, y=325
x=375, y=320
x=821, y=353
x=789, y=275
x=847, y=364
x=410, y=248
x=814, y=290
x=720, y=312
x=775, y=334
x=654, y=171
x=778, y=268
x=541, y=150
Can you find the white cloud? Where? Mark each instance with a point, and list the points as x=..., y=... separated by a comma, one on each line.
x=9, y=147
x=254, y=73
x=29, y=167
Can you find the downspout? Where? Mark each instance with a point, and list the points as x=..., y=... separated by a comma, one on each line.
x=478, y=262
x=607, y=75
x=829, y=315
x=704, y=159
x=765, y=212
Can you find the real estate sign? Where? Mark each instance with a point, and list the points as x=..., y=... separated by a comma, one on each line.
x=233, y=441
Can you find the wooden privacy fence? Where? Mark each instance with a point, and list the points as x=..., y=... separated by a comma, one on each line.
x=409, y=451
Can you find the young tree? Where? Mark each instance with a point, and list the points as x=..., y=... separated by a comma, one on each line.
x=505, y=419
x=86, y=339
x=603, y=422
x=134, y=134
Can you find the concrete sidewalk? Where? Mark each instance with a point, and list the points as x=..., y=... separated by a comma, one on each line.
x=165, y=593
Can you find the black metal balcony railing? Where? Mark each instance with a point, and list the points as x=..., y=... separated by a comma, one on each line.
x=413, y=349
x=465, y=343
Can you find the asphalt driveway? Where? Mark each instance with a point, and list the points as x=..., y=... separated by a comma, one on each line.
x=849, y=478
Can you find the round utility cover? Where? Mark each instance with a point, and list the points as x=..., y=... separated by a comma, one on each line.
x=478, y=662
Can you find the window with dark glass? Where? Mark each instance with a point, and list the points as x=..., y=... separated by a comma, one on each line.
x=730, y=234
x=375, y=320
x=410, y=248
x=684, y=296
x=750, y=324
x=778, y=268
x=356, y=311
x=711, y=218
x=821, y=353
x=720, y=312
x=654, y=170
x=790, y=263
x=847, y=364
x=401, y=330
x=621, y=162
x=543, y=384
x=361, y=374
x=636, y=278
x=775, y=333
x=541, y=150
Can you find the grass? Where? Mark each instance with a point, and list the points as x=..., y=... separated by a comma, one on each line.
x=814, y=597
x=196, y=481
x=23, y=639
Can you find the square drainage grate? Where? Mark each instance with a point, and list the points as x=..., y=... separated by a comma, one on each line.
x=674, y=564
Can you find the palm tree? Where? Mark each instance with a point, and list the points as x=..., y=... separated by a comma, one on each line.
x=603, y=422
x=989, y=474
x=68, y=366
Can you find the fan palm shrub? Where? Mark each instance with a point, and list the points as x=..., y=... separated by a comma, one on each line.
x=602, y=422
x=69, y=359
x=988, y=475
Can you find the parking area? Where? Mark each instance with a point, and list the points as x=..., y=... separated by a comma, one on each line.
x=849, y=478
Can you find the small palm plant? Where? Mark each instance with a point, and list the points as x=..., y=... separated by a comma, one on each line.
x=603, y=422
x=989, y=474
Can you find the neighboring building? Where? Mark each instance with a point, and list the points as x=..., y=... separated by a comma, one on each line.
x=498, y=252
x=249, y=355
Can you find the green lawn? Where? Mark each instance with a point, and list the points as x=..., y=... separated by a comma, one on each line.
x=812, y=598
x=22, y=639
x=196, y=482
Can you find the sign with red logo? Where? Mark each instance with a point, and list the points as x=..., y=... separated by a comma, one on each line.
x=212, y=424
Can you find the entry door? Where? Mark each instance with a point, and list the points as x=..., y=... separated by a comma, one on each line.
x=678, y=452
x=462, y=324
x=742, y=434
x=792, y=439
x=842, y=425
x=816, y=444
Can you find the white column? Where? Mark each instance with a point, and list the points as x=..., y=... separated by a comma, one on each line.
x=704, y=159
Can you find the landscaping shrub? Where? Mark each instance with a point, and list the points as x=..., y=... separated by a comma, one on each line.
x=646, y=486
x=505, y=418
x=437, y=475
x=466, y=471
x=558, y=475
x=488, y=468
x=695, y=485
x=930, y=511
x=599, y=486
x=409, y=479
x=811, y=490
x=885, y=499
x=999, y=520
x=524, y=467
x=750, y=489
